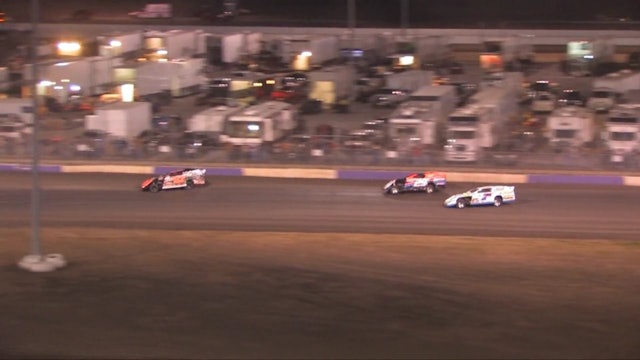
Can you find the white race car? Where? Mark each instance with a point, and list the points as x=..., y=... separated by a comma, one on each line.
x=495, y=195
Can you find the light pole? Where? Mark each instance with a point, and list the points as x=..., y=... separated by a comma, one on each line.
x=404, y=15
x=351, y=23
x=35, y=261
x=35, y=148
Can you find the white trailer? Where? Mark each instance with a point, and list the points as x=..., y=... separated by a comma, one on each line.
x=332, y=85
x=584, y=56
x=262, y=123
x=622, y=131
x=570, y=126
x=5, y=80
x=121, y=119
x=426, y=50
x=154, y=11
x=480, y=125
x=86, y=76
x=20, y=107
x=171, y=44
x=120, y=43
x=409, y=80
x=415, y=121
x=503, y=54
x=307, y=52
x=212, y=119
x=608, y=89
x=444, y=97
x=178, y=77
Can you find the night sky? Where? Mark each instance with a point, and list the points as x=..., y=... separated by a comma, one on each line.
x=471, y=12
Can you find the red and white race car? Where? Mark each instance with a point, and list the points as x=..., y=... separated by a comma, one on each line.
x=179, y=179
x=425, y=181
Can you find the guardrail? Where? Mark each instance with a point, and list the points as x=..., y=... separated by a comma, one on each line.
x=347, y=174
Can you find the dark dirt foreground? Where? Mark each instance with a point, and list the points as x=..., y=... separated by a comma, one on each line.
x=162, y=294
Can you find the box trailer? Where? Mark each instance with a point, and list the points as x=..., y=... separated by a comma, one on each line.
x=121, y=119
x=126, y=44
x=20, y=107
x=177, y=77
x=409, y=80
x=332, y=85
x=171, y=44
x=212, y=119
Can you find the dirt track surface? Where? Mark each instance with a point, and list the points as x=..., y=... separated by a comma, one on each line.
x=171, y=294
x=315, y=205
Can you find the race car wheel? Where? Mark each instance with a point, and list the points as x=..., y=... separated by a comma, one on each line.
x=497, y=201
x=154, y=188
x=461, y=203
x=430, y=188
x=394, y=190
x=189, y=184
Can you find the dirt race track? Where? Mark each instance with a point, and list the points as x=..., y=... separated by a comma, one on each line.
x=186, y=294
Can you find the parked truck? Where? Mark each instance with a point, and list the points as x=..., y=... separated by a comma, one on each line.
x=414, y=121
x=622, y=132
x=333, y=86
x=422, y=118
x=480, y=125
x=262, y=123
x=123, y=120
x=609, y=89
x=570, y=127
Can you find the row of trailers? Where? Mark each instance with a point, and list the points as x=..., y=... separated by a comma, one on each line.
x=178, y=62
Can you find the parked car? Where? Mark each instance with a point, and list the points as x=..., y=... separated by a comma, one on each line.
x=387, y=97
x=427, y=182
x=196, y=143
x=92, y=143
x=544, y=102
x=571, y=97
x=495, y=195
x=168, y=123
x=180, y=179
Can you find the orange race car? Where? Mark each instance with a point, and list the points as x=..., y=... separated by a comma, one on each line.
x=179, y=179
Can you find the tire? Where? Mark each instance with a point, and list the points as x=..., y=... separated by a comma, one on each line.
x=190, y=184
x=497, y=202
x=430, y=188
x=154, y=188
x=394, y=190
x=461, y=203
